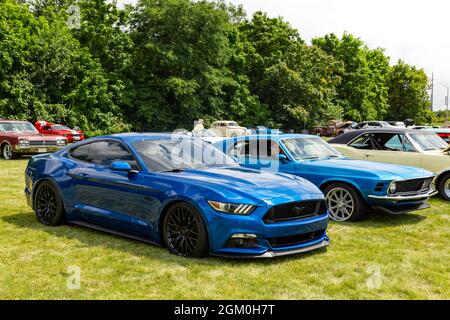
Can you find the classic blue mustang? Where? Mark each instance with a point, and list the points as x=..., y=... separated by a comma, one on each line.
x=350, y=186
x=178, y=192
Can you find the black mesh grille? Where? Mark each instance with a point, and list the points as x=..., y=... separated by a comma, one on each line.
x=413, y=185
x=43, y=143
x=295, y=240
x=295, y=211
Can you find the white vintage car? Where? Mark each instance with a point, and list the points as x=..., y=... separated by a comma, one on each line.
x=400, y=146
x=228, y=129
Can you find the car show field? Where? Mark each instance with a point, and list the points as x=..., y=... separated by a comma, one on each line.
x=384, y=256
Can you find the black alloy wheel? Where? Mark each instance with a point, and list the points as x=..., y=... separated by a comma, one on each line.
x=184, y=231
x=48, y=205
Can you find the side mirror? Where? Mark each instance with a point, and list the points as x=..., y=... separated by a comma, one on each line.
x=120, y=166
x=283, y=158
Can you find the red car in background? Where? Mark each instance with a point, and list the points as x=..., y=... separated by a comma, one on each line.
x=22, y=138
x=59, y=129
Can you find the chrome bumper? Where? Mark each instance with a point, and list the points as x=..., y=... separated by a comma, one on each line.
x=405, y=198
x=37, y=149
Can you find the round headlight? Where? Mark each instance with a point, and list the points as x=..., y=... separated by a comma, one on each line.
x=392, y=187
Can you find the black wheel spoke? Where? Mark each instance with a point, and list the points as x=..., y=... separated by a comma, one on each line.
x=46, y=204
x=182, y=229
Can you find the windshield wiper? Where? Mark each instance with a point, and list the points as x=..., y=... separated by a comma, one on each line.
x=309, y=158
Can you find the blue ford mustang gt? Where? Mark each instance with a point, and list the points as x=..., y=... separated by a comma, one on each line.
x=351, y=187
x=178, y=192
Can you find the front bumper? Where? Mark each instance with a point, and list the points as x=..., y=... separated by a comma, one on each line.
x=403, y=198
x=37, y=149
x=273, y=254
x=270, y=239
x=401, y=203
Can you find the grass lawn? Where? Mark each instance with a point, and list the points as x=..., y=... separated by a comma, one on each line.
x=384, y=257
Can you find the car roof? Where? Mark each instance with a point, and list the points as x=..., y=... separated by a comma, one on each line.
x=138, y=136
x=278, y=136
x=349, y=136
x=15, y=121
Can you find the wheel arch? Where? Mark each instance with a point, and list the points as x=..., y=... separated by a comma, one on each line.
x=352, y=184
x=171, y=202
x=441, y=175
x=38, y=183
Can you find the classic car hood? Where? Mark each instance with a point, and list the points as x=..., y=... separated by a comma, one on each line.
x=367, y=168
x=251, y=183
x=33, y=136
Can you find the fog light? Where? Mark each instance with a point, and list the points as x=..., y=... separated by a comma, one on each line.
x=242, y=241
x=243, y=236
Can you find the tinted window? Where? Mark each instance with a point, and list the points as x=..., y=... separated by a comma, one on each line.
x=106, y=152
x=80, y=153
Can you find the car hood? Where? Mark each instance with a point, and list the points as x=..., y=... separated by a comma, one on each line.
x=368, y=168
x=235, y=183
x=33, y=136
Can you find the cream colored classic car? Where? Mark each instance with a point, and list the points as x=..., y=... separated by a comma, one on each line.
x=400, y=146
x=228, y=129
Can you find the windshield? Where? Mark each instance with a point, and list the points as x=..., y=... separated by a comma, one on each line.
x=233, y=124
x=310, y=148
x=18, y=127
x=57, y=127
x=181, y=153
x=428, y=141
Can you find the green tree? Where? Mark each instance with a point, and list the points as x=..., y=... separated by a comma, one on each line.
x=45, y=74
x=363, y=91
x=408, y=94
x=295, y=81
x=180, y=57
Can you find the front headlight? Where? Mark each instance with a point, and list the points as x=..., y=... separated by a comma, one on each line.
x=24, y=143
x=392, y=187
x=232, y=208
x=61, y=142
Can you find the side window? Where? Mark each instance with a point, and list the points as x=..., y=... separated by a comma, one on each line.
x=106, y=152
x=394, y=143
x=374, y=124
x=239, y=149
x=255, y=149
x=81, y=152
x=363, y=142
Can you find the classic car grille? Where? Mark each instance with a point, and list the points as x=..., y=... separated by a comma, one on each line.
x=43, y=143
x=413, y=185
x=295, y=240
x=295, y=211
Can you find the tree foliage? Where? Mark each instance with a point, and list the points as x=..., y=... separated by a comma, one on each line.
x=408, y=94
x=161, y=64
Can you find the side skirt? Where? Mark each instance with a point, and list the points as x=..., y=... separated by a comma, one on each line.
x=112, y=231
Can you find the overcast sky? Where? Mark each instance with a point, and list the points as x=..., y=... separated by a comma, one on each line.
x=416, y=31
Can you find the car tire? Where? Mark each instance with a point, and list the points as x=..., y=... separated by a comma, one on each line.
x=8, y=153
x=48, y=205
x=444, y=187
x=184, y=232
x=344, y=203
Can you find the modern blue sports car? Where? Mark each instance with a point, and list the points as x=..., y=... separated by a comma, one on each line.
x=351, y=187
x=178, y=192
